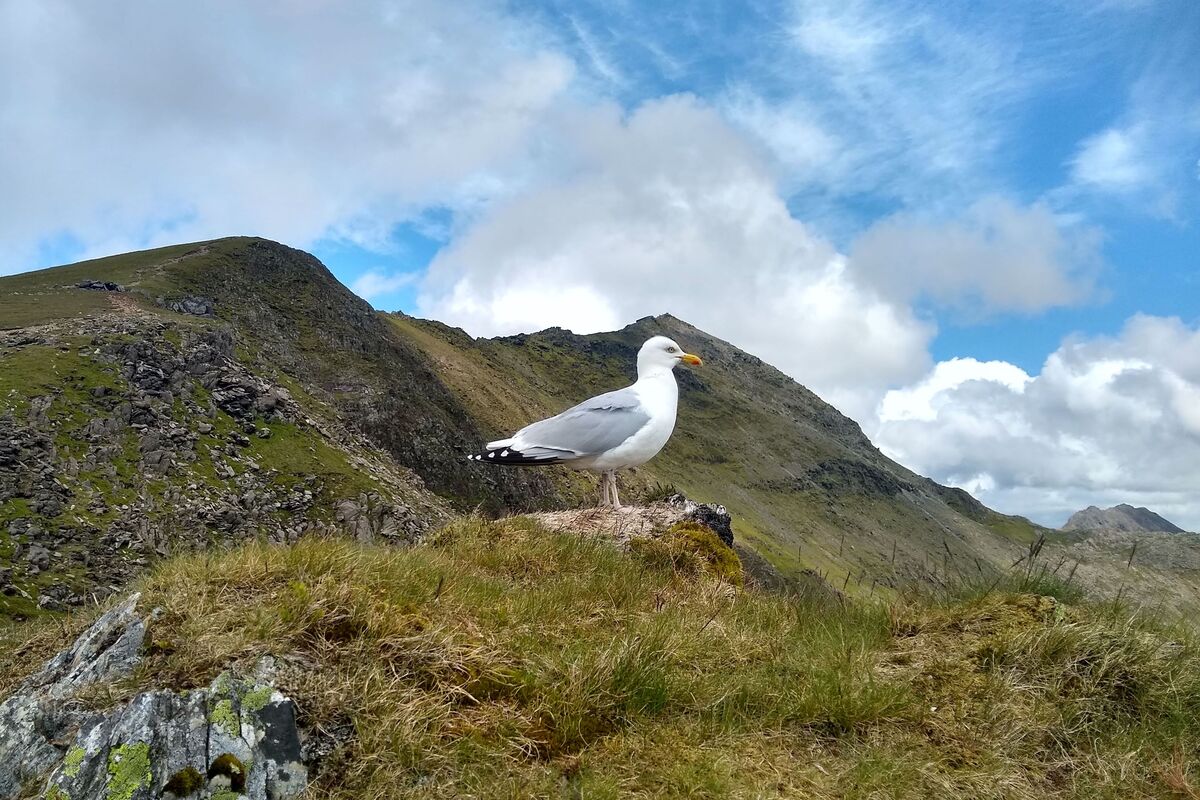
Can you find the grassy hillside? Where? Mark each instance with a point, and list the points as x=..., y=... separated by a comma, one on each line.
x=374, y=395
x=130, y=432
x=806, y=487
x=498, y=660
x=243, y=433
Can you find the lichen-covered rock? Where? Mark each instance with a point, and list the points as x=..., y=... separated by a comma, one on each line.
x=40, y=715
x=237, y=738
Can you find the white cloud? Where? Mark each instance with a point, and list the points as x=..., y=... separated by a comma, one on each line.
x=1143, y=158
x=1108, y=420
x=803, y=149
x=289, y=120
x=375, y=283
x=889, y=98
x=996, y=257
x=1111, y=159
x=671, y=210
x=921, y=401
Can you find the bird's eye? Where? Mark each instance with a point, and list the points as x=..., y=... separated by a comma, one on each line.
x=672, y=350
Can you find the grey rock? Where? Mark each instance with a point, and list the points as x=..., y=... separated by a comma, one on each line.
x=238, y=735
x=38, y=556
x=370, y=518
x=713, y=515
x=157, y=461
x=39, y=713
x=196, y=306
x=100, y=286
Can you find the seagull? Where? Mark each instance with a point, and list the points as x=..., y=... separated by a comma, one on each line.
x=611, y=431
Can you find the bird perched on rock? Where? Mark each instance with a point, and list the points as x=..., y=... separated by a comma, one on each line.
x=611, y=431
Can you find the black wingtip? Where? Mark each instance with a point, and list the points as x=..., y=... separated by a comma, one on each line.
x=508, y=457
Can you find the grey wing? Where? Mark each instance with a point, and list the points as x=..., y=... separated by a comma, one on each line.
x=592, y=427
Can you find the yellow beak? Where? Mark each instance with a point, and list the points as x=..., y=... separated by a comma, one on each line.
x=688, y=358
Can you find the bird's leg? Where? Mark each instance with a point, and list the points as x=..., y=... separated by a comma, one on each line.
x=616, y=501
x=604, y=501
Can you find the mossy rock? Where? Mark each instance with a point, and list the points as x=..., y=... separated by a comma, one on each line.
x=690, y=548
x=185, y=782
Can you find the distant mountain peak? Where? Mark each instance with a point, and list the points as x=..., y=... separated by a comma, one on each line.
x=1123, y=517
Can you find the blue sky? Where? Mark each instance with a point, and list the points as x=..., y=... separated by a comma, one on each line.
x=936, y=214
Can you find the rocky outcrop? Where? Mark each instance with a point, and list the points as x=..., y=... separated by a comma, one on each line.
x=632, y=522
x=1123, y=517
x=100, y=286
x=153, y=439
x=235, y=739
x=197, y=306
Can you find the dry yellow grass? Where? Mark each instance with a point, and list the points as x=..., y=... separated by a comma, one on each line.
x=503, y=660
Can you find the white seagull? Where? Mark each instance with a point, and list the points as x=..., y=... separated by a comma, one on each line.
x=611, y=431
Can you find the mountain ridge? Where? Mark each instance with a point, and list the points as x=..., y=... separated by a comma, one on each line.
x=809, y=492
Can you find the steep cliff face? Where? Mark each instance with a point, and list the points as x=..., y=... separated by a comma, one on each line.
x=1123, y=517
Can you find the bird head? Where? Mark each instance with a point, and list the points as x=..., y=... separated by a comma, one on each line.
x=660, y=352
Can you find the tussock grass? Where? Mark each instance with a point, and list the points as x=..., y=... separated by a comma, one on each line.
x=500, y=660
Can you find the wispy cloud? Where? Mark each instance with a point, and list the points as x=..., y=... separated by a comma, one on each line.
x=376, y=283
x=1112, y=159
x=918, y=104
x=600, y=62
x=1146, y=156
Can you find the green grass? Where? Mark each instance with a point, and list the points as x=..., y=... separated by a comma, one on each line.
x=66, y=373
x=499, y=660
x=38, y=370
x=45, y=295
x=297, y=453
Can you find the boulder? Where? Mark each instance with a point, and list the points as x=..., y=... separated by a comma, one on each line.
x=196, y=306
x=100, y=286
x=237, y=738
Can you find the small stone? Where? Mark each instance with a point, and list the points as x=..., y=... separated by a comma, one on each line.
x=38, y=557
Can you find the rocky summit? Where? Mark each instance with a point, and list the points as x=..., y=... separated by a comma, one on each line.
x=1123, y=517
x=243, y=554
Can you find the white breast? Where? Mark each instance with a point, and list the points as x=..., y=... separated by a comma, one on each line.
x=659, y=397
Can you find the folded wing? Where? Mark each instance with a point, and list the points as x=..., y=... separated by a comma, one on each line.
x=595, y=426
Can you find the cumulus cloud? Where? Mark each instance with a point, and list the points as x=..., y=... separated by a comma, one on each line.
x=997, y=257
x=289, y=120
x=670, y=209
x=1107, y=420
